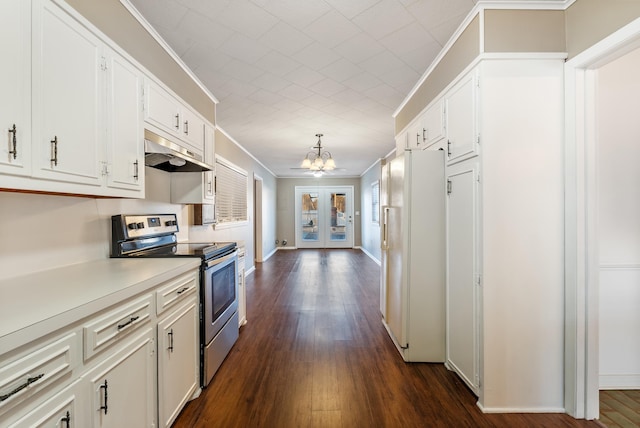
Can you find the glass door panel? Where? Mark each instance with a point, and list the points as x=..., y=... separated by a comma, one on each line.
x=309, y=222
x=338, y=227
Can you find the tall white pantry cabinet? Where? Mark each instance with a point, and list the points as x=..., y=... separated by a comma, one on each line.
x=503, y=140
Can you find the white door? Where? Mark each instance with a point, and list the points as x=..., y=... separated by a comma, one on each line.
x=462, y=343
x=324, y=217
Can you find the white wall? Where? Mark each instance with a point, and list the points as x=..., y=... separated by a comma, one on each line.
x=370, y=231
x=618, y=119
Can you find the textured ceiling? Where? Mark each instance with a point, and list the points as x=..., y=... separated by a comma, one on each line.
x=285, y=70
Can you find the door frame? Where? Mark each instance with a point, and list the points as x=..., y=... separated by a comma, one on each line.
x=581, y=232
x=322, y=243
x=257, y=219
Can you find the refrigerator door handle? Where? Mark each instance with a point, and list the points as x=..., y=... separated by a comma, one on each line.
x=385, y=229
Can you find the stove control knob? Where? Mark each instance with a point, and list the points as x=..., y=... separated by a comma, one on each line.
x=132, y=226
x=140, y=225
x=174, y=223
x=170, y=223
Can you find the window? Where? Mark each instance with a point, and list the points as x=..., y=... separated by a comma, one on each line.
x=231, y=192
x=375, y=202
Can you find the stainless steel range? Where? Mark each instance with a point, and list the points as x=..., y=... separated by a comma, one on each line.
x=155, y=236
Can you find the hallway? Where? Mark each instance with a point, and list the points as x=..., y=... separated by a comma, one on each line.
x=314, y=353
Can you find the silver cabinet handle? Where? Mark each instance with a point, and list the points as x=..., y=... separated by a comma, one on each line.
x=54, y=151
x=186, y=127
x=170, y=334
x=14, y=141
x=135, y=170
x=178, y=121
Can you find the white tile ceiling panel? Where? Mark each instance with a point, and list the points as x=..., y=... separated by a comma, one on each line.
x=352, y=8
x=432, y=13
x=327, y=87
x=277, y=63
x=284, y=70
x=316, y=56
x=384, y=18
x=340, y=70
x=245, y=49
x=298, y=13
x=285, y=39
x=360, y=47
x=332, y=29
x=246, y=18
x=363, y=81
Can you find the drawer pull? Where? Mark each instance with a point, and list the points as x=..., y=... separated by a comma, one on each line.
x=131, y=320
x=67, y=420
x=105, y=387
x=170, y=334
x=182, y=290
x=29, y=381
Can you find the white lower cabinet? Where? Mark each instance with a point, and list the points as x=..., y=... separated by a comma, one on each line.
x=122, y=388
x=133, y=364
x=178, y=360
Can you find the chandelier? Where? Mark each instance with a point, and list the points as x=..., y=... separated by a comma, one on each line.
x=318, y=160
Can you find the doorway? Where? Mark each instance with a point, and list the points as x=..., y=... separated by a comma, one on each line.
x=324, y=216
x=602, y=199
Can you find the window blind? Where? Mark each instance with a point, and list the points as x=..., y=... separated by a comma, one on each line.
x=231, y=192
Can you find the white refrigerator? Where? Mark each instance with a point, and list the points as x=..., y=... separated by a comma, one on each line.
x=412, y=292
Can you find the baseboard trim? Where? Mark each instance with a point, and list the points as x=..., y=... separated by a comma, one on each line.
x=520, y=409
x=620, y=381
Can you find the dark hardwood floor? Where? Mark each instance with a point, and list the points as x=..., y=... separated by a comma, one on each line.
x=315, y=354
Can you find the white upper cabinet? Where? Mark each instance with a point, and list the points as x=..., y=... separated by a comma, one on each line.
x=67, y=67
x=433, y=124
x=461, y=119
x=15, y=90
x=125, y=152
x=414, y=135
x=76, y=104
x=171, y=117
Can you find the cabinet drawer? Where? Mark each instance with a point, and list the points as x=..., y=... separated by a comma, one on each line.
x=176, y=290
x=36, y=369
x=103, y=331
x=65, y=409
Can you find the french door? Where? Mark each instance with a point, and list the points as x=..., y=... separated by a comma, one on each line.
x=324, y=216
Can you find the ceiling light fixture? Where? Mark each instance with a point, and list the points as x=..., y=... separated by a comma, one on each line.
x=318, y=160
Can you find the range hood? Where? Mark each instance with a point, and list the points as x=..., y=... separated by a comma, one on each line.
x=168, y=156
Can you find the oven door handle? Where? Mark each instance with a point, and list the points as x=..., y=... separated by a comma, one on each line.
x=223, y=259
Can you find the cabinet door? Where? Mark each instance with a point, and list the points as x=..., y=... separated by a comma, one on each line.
x=414, y=135
x=433, y=124
x=123, y=386
x=15, y=87
x=67, y=66
x=162, y=109
x=209, y=158
x=193, y=132
x=462, y=316
x=178, y=361
x=461, y=113
x=64, y=409
x=125, y=147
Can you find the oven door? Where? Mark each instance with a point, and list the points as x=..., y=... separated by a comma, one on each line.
x=220, y=280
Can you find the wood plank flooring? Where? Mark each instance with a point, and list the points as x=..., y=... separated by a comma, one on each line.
x=620, y=409
x=314, y=353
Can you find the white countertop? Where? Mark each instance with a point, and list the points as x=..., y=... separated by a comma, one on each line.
x=37, y=304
